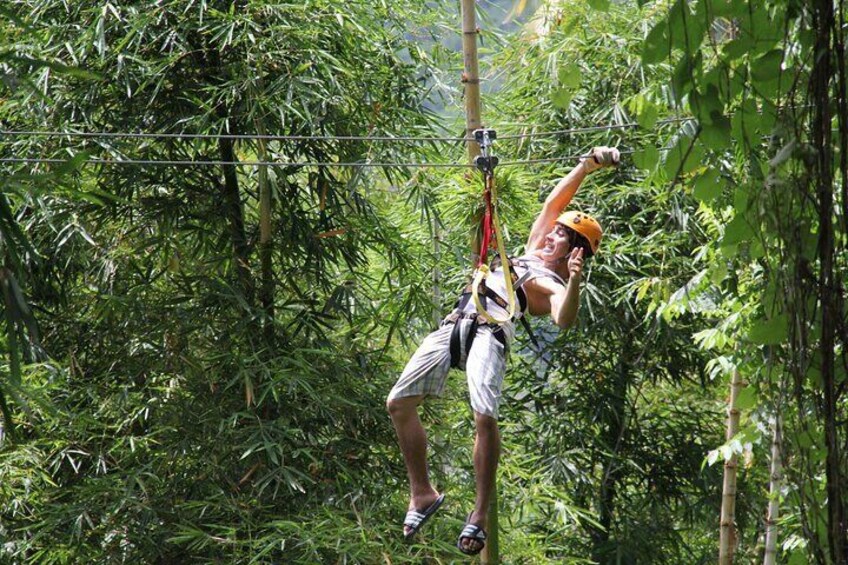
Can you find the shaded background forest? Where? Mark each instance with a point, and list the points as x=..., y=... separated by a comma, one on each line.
x=196, y=357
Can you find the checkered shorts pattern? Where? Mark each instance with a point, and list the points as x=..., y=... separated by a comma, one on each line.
x=485, y=366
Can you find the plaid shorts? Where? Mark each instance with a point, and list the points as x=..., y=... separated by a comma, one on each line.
x=485, y=365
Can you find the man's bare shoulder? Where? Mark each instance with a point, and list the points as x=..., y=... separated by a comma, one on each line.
x=539, y=292
x=544, y=286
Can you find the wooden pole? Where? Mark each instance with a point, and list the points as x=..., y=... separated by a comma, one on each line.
x=727, y=534
x=471, y=81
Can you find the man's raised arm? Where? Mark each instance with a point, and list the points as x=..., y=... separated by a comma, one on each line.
x=564, y=191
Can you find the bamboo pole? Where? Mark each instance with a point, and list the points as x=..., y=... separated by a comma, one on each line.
x=471, y=77
x=823, y=19
x=775, y=481
x=437, y=274
x=471, y=81
x=491, y=554
x=266, y=291
x=727, y=534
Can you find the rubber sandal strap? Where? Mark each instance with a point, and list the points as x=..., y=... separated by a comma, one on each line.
x=475, y=533
x=472, y=531
x=413, y=519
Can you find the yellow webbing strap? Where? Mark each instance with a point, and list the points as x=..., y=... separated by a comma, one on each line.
x=483, y=270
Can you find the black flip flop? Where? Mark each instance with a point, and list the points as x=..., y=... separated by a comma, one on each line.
x=472, y=532
x=416, y=519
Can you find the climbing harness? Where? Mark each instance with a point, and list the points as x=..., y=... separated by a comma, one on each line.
x=490, y=232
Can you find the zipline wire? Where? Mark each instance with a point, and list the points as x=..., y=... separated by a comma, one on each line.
x=588, y=129
x=271, y=137
x=213, y=136
x=187, y=163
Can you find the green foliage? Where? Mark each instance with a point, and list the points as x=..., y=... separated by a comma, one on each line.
x=179, y=431
x=756, y=81
x=596, y=405
x=186, y=392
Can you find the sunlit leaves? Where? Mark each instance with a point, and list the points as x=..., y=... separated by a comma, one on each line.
x=745, y=88
x=601, y=5
x=645, y=110
x=646, y=158
x=569, y=78
x=742, y=443
x=561, y=98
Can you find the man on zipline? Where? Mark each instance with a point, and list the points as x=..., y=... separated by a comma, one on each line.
x=546, y=281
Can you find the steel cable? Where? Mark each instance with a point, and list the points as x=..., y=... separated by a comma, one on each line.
x=188, y=163
x=271, y=137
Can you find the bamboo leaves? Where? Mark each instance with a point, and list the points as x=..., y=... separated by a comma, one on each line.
x=569, y=78
x=161, y=338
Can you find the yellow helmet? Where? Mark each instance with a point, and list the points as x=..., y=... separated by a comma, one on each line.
x=585, y=225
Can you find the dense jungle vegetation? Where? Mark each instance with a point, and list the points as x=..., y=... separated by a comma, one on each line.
x=195, y=357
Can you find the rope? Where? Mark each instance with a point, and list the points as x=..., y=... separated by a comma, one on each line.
x=486, y=225
x=483, y=268
x=270, y=137
x=491, y=228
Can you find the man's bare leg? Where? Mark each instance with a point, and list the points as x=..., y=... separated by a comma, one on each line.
x=413, y=445
x=487, y=450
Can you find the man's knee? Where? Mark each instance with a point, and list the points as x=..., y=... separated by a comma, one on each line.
x=485, y=424
x=400, y=406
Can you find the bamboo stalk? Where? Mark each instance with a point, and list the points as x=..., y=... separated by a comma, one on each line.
x=437, y=274
x=471, y=86
x=776, y=478
x=727, y=532
x=492, y=551
x=471, y=82
x=471, y=77
x=266, y=291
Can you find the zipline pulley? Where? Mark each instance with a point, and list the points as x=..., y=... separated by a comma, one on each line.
x=485, y=162
x=491, y=230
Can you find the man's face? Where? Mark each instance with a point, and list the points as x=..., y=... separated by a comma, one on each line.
x=557, y=245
